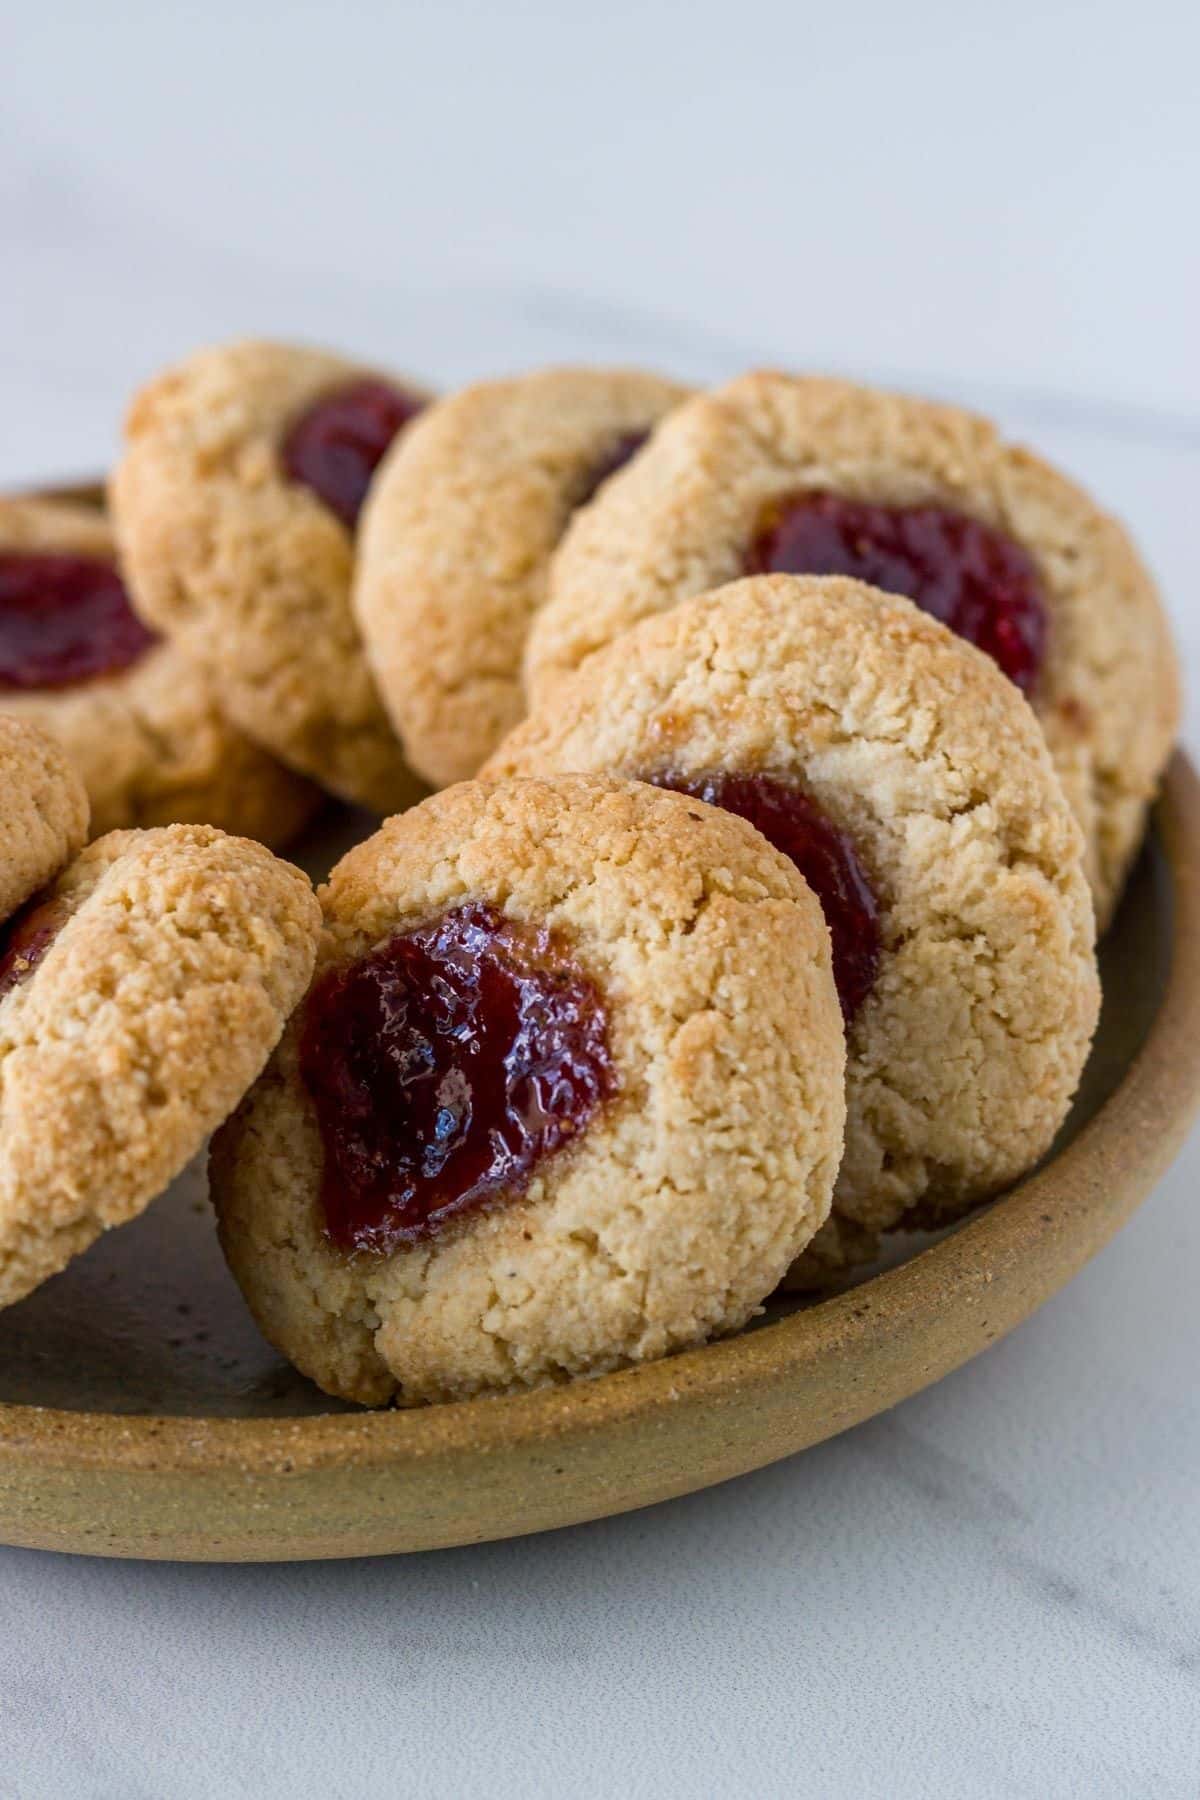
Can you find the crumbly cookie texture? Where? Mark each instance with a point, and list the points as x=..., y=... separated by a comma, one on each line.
x=44, y=816
x=178, y=956
x=246, y=571
x=686, y=1198
x=151, y=742
x=963, y=1060
x=456, y=541
x=679, y=521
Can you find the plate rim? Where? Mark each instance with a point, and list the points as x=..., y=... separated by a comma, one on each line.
x=1053, y=1222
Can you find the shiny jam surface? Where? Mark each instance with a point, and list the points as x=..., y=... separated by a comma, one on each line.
x=64, y=620
x=973, y=579
x=443, y=1067
x=621, y=452
x=824, y=855
x=336, y=446
x=25, y=939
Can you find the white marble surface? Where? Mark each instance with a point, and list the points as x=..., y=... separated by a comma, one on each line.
x=996, y=1589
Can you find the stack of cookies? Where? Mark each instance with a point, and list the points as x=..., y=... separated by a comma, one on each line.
x=788, y=742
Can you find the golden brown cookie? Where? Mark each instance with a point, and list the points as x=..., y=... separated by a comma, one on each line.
x=140, y=723
x=43, y=812
x=457, y=539
x=139, y=998
x=567, y=1094
x=908, y=780
x=780, y=473
x=234, y=504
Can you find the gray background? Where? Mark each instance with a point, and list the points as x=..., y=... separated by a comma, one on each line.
x=994, y=1590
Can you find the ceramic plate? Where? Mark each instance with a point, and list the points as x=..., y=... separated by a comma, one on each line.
x=142, y=1415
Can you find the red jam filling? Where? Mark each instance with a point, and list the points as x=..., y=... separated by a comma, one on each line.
x=443, y=1068
x=336, y=446
x=975, y=580
x=63, y=620
x=824, y=855
x=25, y=939
x=620, y=453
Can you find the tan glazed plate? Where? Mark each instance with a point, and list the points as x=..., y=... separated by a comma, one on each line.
x=141, y=1414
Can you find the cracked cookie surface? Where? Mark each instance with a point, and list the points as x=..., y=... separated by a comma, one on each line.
x=146, y=993
x=964, y=1056
x=150, y=741
x=44, y=816
x=677, y=1209
x=457, y=538
x=247, y=570
x=685, y=517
